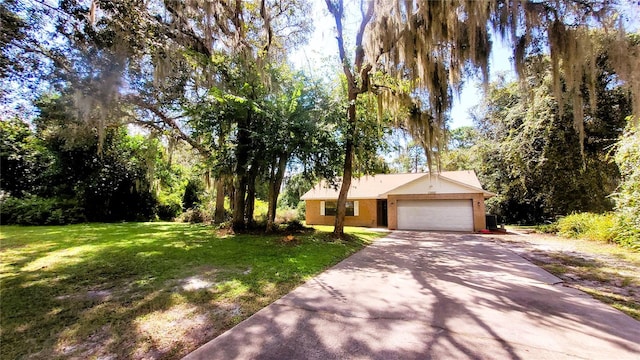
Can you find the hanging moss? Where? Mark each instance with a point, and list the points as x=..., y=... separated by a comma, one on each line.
x=434, y=44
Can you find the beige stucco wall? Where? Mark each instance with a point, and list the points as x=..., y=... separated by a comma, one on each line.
x=367, y=214
x=432, y=185
x=479, y=221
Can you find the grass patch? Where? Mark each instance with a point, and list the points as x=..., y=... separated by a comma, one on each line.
x=144, y=290
x=601, y=270
x=621, y=303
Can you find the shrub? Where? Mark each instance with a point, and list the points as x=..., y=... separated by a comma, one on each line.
x=284, y=216
x=628, y=234
x=548, y=228
x=295, y=225
x=195, y=215
x=589, y=226
x=192, y=193
x=169, y=206
x=34, y=210
x=302, y=210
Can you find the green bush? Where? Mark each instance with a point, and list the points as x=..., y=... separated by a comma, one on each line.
x=193, y=193
x=284, y=216
x=609, y=227
x=548, y=228
x=169, y=206
x=295, y=225
x=34, y=210
x=195, y=216
x=628, y=233
x=589, y=226
x=302, y=210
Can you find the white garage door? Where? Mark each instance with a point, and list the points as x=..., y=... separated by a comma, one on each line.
x=451, y=215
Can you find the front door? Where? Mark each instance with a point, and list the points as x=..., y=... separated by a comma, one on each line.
x=382, y=213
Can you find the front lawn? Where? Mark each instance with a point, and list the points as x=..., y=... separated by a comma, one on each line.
x=144, y=290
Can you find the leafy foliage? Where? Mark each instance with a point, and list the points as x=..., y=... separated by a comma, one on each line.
x=531, y=154
x=192, y=193
x=609, y=227
x=59, y=173
x=627, y=195
x=588, y=226
x=34, y=210
x=23, y=159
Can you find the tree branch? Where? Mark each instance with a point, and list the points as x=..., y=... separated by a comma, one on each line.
x=366, y=18
x=267, y=24
x=170, y=122
x=337, y=11
x=187, y=32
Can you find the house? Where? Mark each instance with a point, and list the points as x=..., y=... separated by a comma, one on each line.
x=448, y=201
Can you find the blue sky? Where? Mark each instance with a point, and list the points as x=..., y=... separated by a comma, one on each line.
x=471, y=94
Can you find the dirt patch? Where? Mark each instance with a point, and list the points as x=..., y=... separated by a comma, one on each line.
x=599, y=269
x=168, y=331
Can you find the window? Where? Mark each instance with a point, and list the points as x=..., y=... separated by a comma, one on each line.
x=330, y=208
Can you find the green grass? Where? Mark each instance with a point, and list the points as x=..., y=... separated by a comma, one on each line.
x=144, y=290
x=621, y=303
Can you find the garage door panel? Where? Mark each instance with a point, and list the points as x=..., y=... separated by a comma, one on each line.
x=444, y=215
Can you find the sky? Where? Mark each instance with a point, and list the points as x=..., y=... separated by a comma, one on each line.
x=320, y=58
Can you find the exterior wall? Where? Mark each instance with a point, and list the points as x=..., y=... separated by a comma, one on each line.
x=367, y=214
x=432, y=185
x=479, y=220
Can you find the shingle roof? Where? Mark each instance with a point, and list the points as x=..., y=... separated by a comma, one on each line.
x=377, y=186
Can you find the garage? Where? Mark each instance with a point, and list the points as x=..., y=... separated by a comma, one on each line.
x=447, y=201
x=443, y=215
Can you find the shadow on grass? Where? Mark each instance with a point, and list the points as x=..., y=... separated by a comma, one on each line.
x=141, y=290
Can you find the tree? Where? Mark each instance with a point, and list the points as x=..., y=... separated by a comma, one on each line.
x=23, y=159
x=115, y=183
x=530, y=155
x=357, y=83
x=430, y=45
x=54, y=174
x=462, y=138
x=301, y=129
x=149, y=62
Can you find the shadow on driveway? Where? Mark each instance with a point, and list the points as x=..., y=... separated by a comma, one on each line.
x=431, y=295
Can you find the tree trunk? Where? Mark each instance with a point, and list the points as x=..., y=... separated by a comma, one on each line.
x=240, y=187
x=240, y=182
x=347, y=173
x=218, y=216
x=250, y=200
x=274, y=190
x=337, y=10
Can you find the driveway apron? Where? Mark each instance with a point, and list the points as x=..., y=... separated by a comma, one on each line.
x=421, y=295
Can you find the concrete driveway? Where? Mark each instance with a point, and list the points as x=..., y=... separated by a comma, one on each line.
x=419, y=295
